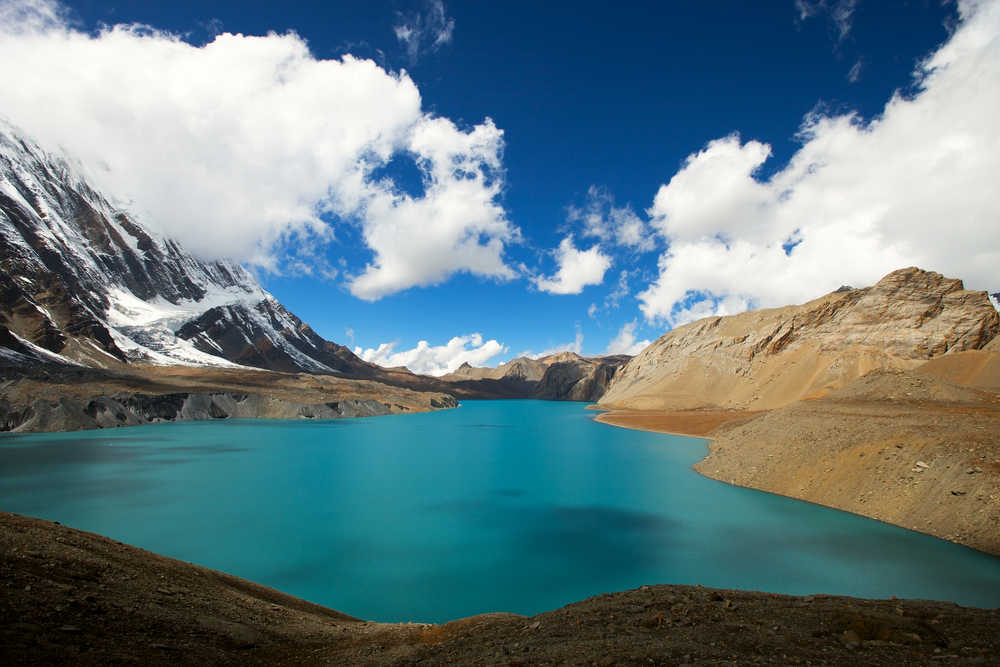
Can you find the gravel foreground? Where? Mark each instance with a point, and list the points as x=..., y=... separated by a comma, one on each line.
x=71, y=597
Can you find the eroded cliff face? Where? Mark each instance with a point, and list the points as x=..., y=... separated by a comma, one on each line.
x=55, y=397
x=764, y=359
x=564, y=376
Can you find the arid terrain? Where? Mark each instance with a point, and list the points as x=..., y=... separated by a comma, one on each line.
x=881, y=401
x=906, y=447
x=71, y=597
x=769, y=358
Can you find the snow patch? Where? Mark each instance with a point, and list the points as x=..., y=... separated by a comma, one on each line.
x=163, y=348
x=42, y=352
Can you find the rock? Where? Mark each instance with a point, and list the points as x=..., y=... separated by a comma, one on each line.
x=958, y=493
x=768, y=358
x=921, y=464
x=653, y=621
x=850, y=639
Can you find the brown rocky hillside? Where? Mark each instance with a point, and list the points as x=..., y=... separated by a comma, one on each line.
x=764, y=359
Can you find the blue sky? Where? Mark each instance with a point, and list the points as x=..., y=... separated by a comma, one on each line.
x=758, y=116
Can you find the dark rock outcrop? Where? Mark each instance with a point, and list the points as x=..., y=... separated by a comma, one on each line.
x=102, y=411
x=564, y=376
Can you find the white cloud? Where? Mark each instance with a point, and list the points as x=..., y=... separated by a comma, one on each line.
x=438, y=360
x=577, y=269
x=840, y=13
x=576, y=346
x=625, y=342
x=456, y=226
x=854, y=75
x=915, y=186
x=614, y=297
x=603, y=220
x=424, y=30
x=238, y=147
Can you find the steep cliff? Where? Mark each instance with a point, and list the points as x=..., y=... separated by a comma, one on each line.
x=764, y=359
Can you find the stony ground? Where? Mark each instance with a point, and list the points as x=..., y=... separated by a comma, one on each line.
x=69, y=597
x=907, y=448
x=910, y=450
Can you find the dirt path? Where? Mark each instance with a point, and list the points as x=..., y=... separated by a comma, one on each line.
x=75, y=598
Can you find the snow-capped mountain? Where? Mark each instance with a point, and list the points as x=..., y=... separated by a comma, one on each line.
x=85, y=281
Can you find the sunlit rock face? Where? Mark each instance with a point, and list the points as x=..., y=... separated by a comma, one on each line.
x=767, y=358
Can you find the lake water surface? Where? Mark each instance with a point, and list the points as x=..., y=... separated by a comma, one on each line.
x=519, y=506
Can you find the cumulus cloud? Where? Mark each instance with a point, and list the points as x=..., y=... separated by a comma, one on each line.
x=839, y=12
x=625, y=342
x=435, y=360
x=577, y=269
x=425, y=30
x=456, y=226
x=601, y=219
x=245, y=146
x=914, y=186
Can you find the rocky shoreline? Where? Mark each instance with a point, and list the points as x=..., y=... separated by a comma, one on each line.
x=64, y=398
x=905, y=448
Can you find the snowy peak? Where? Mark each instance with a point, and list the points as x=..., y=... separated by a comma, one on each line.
x=84, y=279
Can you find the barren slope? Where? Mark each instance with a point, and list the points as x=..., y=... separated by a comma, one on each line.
x=70, y=597
x=904, y=447
x=764, y=359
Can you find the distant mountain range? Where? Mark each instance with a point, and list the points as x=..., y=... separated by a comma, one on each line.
x=84, y=282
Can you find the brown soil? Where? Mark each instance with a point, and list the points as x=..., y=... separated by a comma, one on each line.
x=71, y=597
x=680, y=422
x=930, y=466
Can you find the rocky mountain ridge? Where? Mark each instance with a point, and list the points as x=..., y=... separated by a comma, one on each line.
x=764, y=359
x=85, y=280
x=559, y=376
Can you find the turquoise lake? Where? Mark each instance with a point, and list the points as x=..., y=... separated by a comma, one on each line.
x=520, y=506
